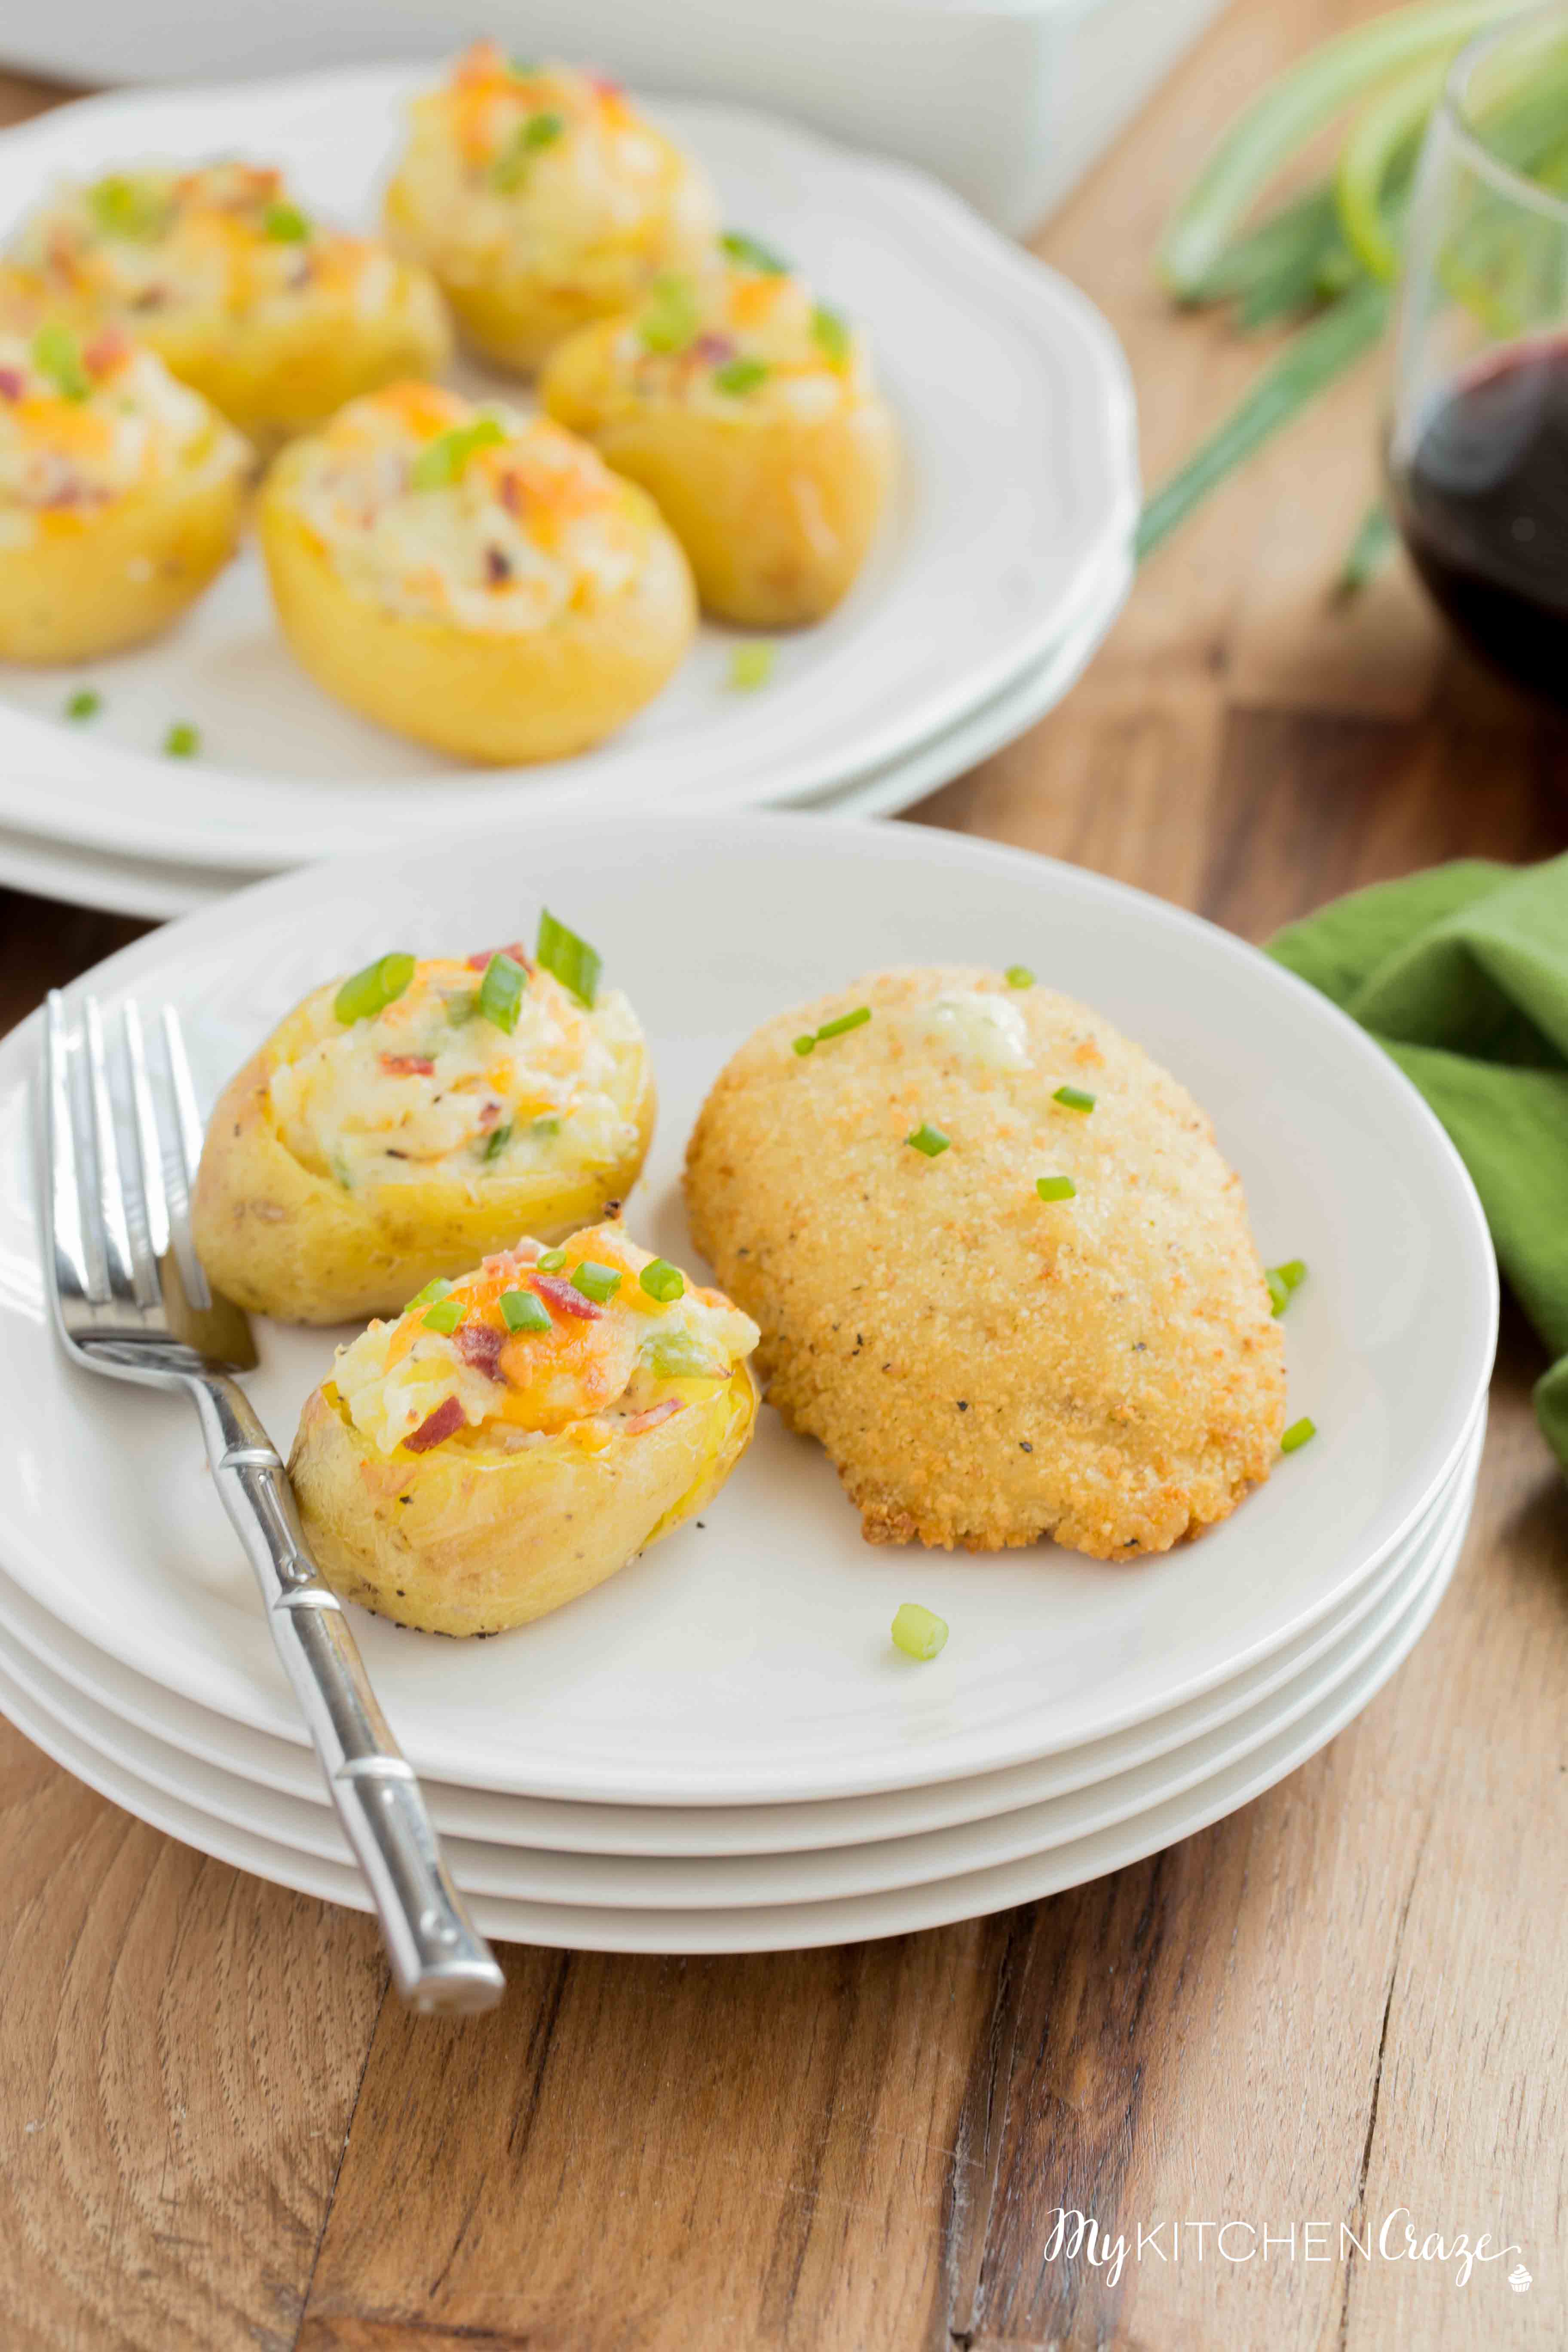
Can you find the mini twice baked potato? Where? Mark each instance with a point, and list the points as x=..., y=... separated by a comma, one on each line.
x=473, y=577
x=121, y=495
x=541, y=199
x=518, y=1435
x=749, y=411
x=1002, y=1271
x=275, y=316
x=399, y=1126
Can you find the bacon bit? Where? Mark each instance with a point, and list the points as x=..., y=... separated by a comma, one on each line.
x=654, y=1415
x=105, y=351
x=437, y=1427
x=714, y=349
x=479, y=1344
x=509, y=489
x=518, y=953
x=606, y=88
x=407, y=1066
x=151, y=298
x=13, y=385
x=498, y=566
x=560, y=1294
x=489, y=1116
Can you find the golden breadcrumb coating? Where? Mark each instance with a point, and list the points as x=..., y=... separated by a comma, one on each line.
x=986, y=1367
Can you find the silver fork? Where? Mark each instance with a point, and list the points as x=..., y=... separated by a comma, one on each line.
x=130, y=1299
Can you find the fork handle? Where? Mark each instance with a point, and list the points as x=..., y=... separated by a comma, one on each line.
x=440, y=1960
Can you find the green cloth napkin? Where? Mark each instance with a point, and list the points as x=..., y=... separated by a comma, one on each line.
x=1461, y=975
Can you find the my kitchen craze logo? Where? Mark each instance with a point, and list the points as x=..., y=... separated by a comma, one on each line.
x=1078, y=2237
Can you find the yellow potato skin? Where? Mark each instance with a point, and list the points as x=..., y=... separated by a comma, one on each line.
x=279, y=1240
x=92, y=582
x=495, y=696
x=467, y=1540
x=776, y=513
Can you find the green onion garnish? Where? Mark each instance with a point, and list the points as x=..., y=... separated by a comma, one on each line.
x=547, y=1124
x=677, y=1356
x=751, y=254
x=84, y=704
x=1073, y=1098
x=740, y=375
x=370, y=992
x=57, y=354
x=571, y=961
x=1278, y=1296
x=496, y=1142
x=845, y=1020
x=552, y=1262
x=662, y=1281
x=1297, y=1435
x=462, y=1006
x=928, y=1139
x=804, y=1045
x=439, y=1288
x=122, y=206
x=444, y=1316
x=917, y=1631
x=1055, y=1187
x=441, y=462
x=183, y=740
x=751, y=666
x=670, y=316
x=520, y=1311
x=830, y=333
x=501, y=991
x=1284, y=1280
x=594, y=1281
x=1020, y=976
x=285, y=225
x=1293, y=1272
x=511, y=170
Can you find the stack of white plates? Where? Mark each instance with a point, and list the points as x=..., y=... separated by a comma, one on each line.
x=1004, y=563
x=721, y=1750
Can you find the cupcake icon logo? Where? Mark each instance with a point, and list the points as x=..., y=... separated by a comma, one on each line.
x=1519, y=2279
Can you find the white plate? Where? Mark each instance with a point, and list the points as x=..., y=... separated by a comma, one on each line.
x=746, y=1659
x=1016, y=413
x=864, y=1866
x=197, y=1738
x=126, y=885
x=775, y=1927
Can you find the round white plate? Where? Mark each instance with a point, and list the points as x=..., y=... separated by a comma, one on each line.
x=127, y=886
x=519, y=1874
x=773, y=1927
x=204, y=1738
x=1019, y=479
x=746, y=1658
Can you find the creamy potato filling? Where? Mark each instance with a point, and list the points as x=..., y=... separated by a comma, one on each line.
x=746, y=338
x=539, y=1343
x=430, y=1088
x=431, y=507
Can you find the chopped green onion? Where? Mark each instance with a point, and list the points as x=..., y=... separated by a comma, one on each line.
x=441, y=462
x=123, y=206
x=183, y=740
x=677, y=1356
x=740, y=375
x=444, y=1316
x=1298, y=1434
x=571, y=961
x=57, y=354
x=928, y=1139
x=751, y=666
x=552, y=1262
x=1020, y=976
x=1282, y=1280
x=1279, y=1296
x=511, y=169
x=462, y=1006
x=670, y=316
x=662, y=1281
x=1073, y=1098
x=548, y=1124
x=594, y=1281
x=917, y=1631
x=84, y=703
x=804, y=1045
x=501, y=991
x=286, y=225
x=751, y=254
x=520, y=1311
x=1293, y=1272
x=496, y=1142
x=830, y=333
x=439, y=1288
x=370, y=992
x=1055, y=1187
x=845, y=1020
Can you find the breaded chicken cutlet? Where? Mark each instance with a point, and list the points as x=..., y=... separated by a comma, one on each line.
x=986, y=1366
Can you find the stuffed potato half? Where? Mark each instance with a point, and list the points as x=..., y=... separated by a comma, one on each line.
x=749, y=411
x=473, y=578
x=400, y=1125
x=515, y=1437
x=541, y=199
x=277, y=318
x=121, y=495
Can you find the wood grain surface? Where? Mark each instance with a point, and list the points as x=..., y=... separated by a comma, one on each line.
x=1344, y=2003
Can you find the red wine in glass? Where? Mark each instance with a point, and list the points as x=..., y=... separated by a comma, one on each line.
x=1482, y=499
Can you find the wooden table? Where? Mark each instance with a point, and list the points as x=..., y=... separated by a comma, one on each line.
x=218, y=2130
